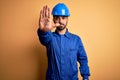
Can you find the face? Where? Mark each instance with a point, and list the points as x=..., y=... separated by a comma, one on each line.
x=62, y=21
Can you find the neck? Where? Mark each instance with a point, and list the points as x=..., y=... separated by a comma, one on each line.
x=62, y=32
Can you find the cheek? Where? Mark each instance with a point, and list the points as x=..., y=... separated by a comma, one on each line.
x=66, y=22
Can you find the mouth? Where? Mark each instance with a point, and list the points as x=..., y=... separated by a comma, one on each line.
x=60, y=26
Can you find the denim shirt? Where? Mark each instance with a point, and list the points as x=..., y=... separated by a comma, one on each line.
x=63, y=52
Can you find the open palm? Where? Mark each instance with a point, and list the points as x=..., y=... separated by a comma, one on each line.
x=45, y=19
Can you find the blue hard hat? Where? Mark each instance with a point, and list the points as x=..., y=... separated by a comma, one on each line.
x=60, y=10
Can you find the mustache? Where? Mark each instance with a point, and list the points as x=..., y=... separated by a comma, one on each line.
x=59, y=24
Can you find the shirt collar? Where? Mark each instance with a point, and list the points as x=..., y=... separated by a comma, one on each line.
x=67, y=33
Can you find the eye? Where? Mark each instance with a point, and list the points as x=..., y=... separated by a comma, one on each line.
x=64, y=17
x=56, y=17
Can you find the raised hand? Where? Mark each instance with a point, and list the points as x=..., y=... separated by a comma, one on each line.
x=45, y=19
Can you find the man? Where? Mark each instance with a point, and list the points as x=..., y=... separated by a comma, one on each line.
x=64, y=49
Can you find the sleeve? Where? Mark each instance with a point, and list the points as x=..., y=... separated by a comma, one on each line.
x=44, y=37
x=82, y=59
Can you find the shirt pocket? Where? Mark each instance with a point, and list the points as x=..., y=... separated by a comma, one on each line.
x=72, y=49
x=73, y=52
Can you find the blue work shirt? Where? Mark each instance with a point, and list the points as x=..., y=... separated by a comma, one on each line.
x=63, y=52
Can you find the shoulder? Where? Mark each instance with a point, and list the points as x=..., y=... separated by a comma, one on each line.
x=75, y=36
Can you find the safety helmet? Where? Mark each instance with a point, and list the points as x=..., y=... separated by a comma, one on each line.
x=60, y=10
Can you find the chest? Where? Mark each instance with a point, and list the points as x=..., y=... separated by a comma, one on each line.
x=65, y=45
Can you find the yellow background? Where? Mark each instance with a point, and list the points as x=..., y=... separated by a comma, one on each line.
x=22, y=57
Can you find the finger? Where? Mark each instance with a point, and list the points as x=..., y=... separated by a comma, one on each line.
x=43, y=12
x=46, y=11
x=56, y=24
x=40, y=19
x=49, y=12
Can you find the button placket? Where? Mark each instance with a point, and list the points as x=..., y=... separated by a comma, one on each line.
x=62, y=56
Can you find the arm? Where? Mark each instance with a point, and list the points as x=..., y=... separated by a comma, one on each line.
x=44, y=37
x=44, y=31
x=45, y=27
x=82, y=59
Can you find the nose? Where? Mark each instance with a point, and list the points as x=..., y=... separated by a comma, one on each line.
x=60, y=20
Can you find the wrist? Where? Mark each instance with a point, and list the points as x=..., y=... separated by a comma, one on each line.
x=85, y=77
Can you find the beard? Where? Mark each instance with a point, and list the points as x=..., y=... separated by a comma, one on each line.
x=59, y=28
